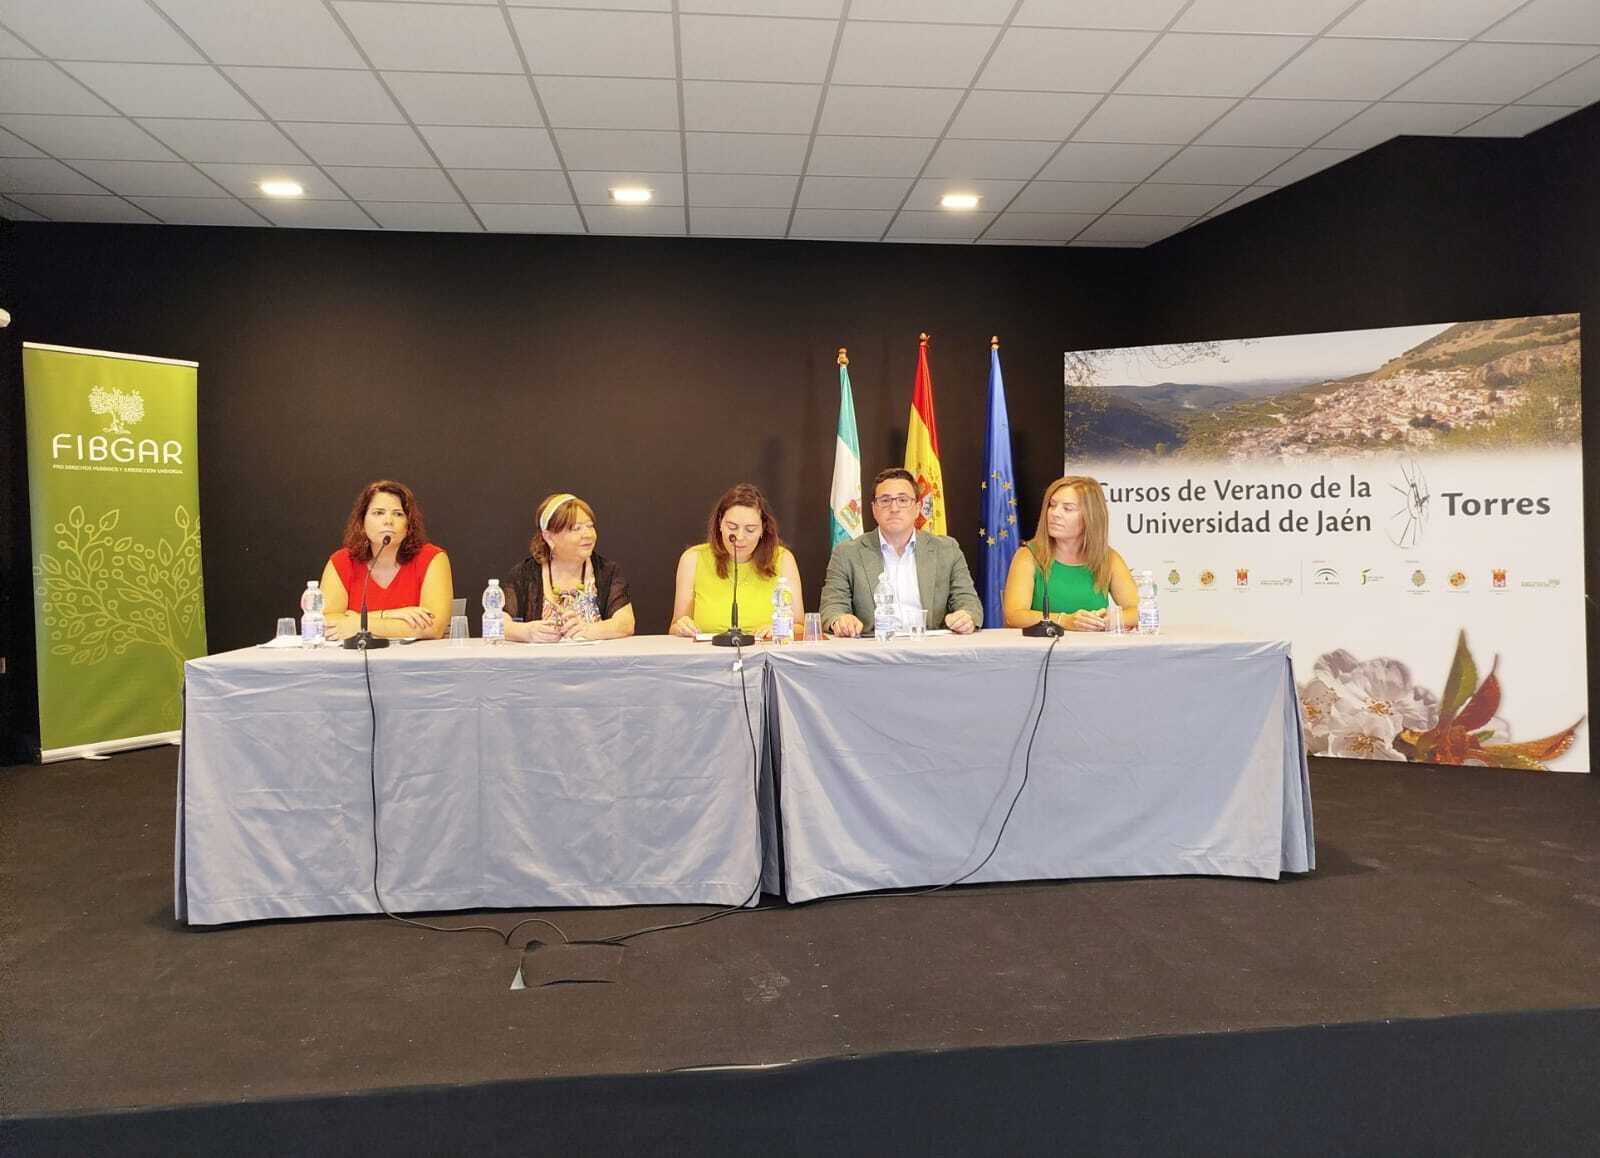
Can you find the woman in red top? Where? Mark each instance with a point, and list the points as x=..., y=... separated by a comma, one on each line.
x=409, y=587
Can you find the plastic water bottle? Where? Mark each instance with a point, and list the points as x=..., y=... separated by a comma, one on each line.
x=782, y=612
x=886, y=609
x=494, y=619
x=1149, y=612
x=312, y=620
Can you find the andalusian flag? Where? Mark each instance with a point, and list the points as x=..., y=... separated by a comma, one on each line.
x=999, y=536
x=922, y=448
x=845, y=498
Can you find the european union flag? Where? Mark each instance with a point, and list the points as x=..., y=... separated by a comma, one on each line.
x=998, y=538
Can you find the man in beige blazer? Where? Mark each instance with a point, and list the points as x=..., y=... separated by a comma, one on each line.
x=929, y=571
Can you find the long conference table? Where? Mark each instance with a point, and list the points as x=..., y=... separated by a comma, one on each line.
x=658, y=770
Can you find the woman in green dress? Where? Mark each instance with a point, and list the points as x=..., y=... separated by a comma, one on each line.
x=1070, y=548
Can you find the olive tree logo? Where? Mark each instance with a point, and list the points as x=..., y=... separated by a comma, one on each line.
x=102, y=593
x=123, y=409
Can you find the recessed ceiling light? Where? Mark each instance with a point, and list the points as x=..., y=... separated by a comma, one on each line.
x=282, y=188
x=959, y=201
x=631, y=194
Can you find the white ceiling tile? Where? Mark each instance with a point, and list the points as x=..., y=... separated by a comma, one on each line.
x=939, y=11
x=821, y=9
x=616, y=5
x=1242, y=197
x=1062, y=60
x=448, y=98
x=1576, y=89
x=1175, y=200
x=614, y=149
x=532, y=186
x=1494, y=72
x=360, y=144
x=236, y=141
x=990, y=239
x=1086, y=161
x=939, y=225
x=424, y=216
x=1427, y=19
x=42, y=175
x=1221, y=164
x=295, y=32
x=853, y=192
x=1515, y=121
x=105, y=138
x=1036, y=116
x=199, y=211
x=12, y=145
x=587, y=102
x=245, y=180
x=315, y=214
x=595, y=43
x=150, y=178
x=1194, y=65
x=1394, y=118
x=12, y=211
x=164, y=90
x=37, y=86
x=1552, y=21
x=1260, y=122
x=317, y=94
x=993, y=196
x=841, y=223
x=1054, y=197
x=1304, y=164
x=530, y=218
x=366, y=183
x=1151, y=120
x=1017, y=226
x=751, y=48
x=869, y=156
x=737, y=106
x=733, y=222
x=594, y=188
x=1151, y=14
x=989, y=158
x=431, y=37
x=471, y=147
x=746, y=152
x=1290, y=17
x=931, y=55
x=657, y=220
x=747, y=190
x=79, y=207
x=97, y=30
x=887, y=112
x=1133, y=230
x=10, y=46
x=1078, y=243
x=1352, y=69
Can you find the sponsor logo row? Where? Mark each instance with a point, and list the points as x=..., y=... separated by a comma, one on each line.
x=1412, y=577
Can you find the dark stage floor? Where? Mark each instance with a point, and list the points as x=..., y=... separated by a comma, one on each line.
x=1438, y=892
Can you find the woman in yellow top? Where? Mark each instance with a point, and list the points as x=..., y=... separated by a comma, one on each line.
x=1070, y=547
x=742, y=535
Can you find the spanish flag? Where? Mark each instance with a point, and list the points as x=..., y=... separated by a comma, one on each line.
x=922, y=448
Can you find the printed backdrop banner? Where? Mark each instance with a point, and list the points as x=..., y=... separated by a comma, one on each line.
x=1404, y=504
x=114, y=494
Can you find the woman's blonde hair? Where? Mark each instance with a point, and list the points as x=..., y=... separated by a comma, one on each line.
x=1096, y=526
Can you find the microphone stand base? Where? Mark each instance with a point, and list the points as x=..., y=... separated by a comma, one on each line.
x=365, y=641
x=1044, y=629
x=733, y=637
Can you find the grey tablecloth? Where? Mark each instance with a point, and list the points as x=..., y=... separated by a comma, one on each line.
x=1178, y=754
x=614, y=773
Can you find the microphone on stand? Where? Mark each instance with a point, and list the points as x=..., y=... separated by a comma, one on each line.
x=364, y=640
x=1045, y=628
x=734, y=637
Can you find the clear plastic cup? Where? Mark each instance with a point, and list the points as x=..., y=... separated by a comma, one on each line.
x=813, y=627
x=287, y=628
x=916, y=623
x=458, y=630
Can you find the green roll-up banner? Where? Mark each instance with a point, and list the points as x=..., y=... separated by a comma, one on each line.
x=115, y=497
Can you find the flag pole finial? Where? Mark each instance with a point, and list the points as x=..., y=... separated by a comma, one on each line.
x=994, y=342
x=923, y=337
x=844, y=358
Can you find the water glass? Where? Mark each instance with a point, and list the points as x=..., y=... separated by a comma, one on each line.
x=287, y=628
x=458, y=630
x=916, y=624
x=813, y=627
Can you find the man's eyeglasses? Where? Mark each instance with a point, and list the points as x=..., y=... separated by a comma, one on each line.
x=894, y=502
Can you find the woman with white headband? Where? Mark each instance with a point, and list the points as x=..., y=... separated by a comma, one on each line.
x=564, y=590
